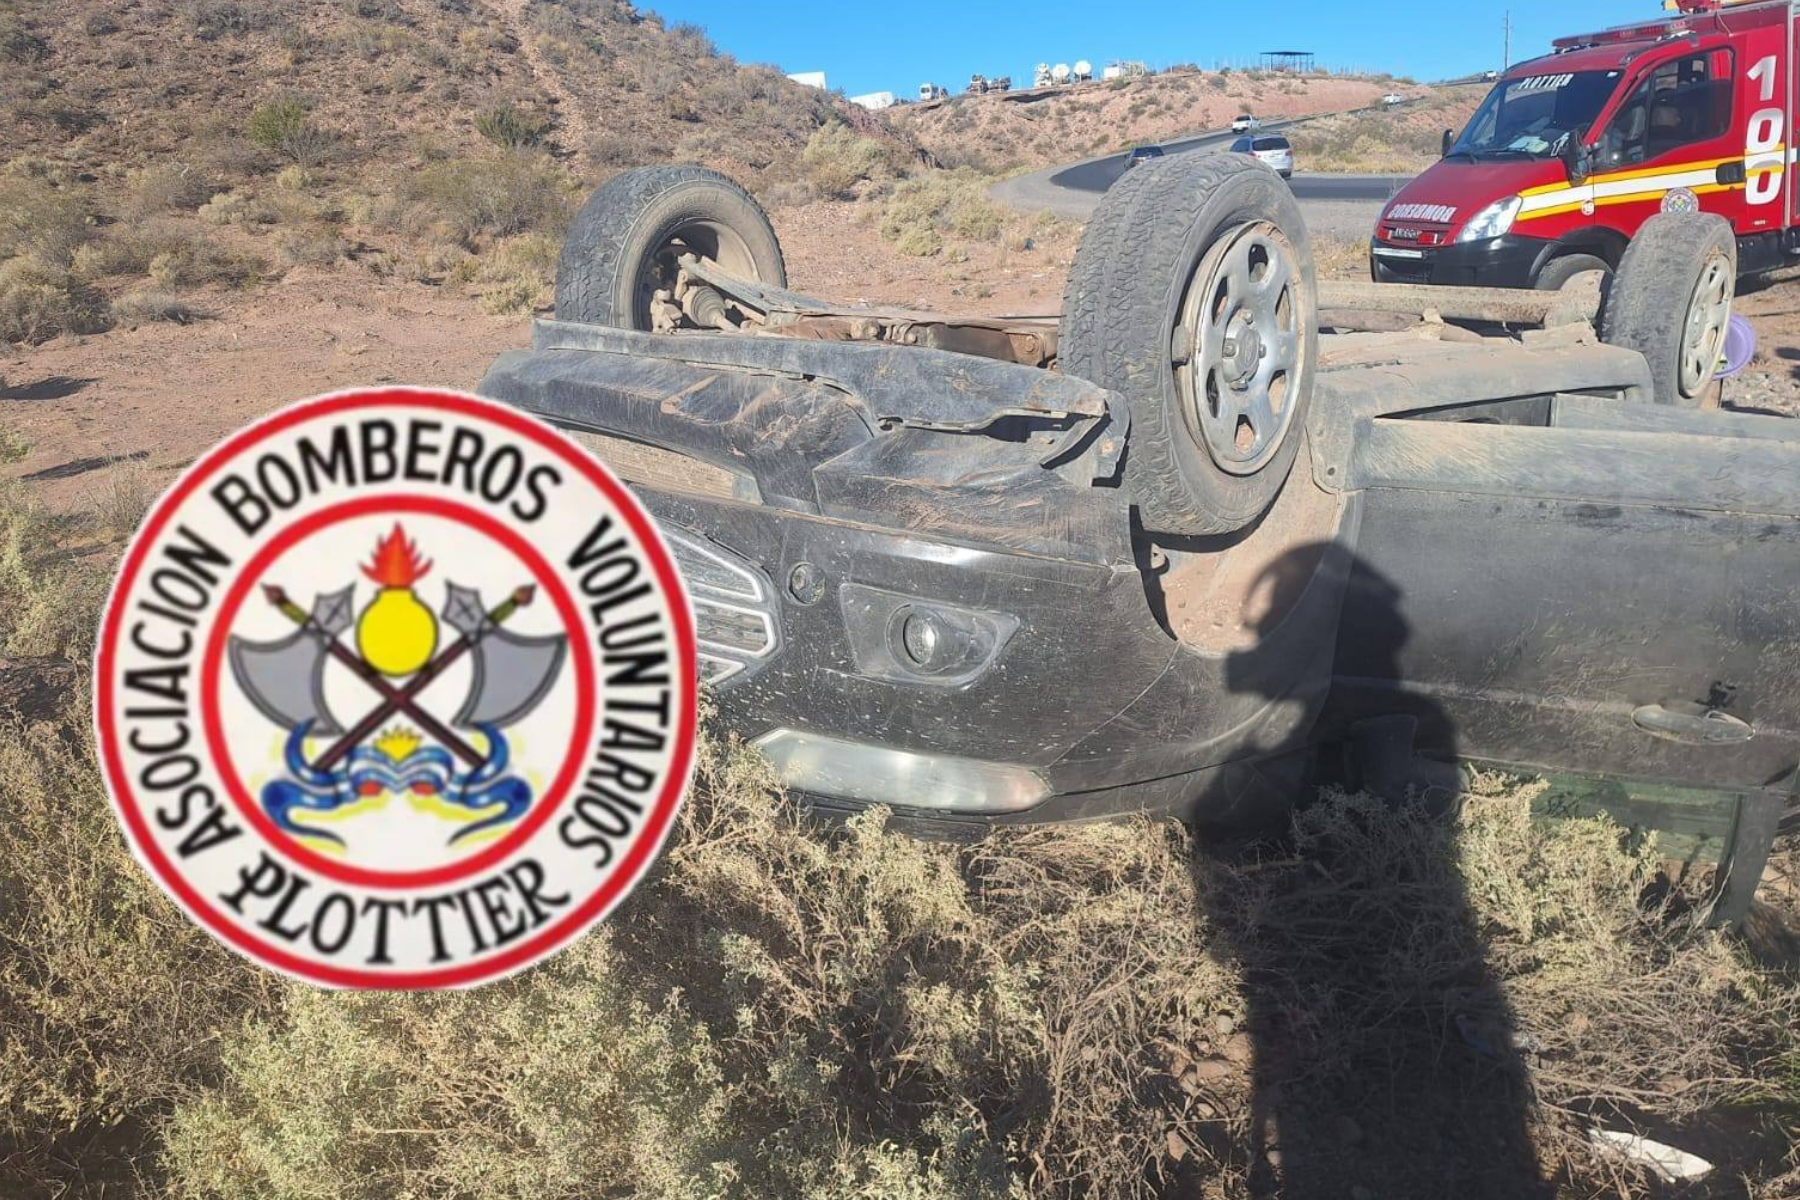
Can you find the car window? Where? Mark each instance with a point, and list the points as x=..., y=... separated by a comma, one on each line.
x=1240, y=145
x=1272, y=143
x=1679, y=103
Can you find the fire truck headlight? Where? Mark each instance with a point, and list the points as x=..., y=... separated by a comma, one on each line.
x=1491, y=222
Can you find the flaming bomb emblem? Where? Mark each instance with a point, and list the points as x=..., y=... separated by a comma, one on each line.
x=396, y=634
x=397, y=655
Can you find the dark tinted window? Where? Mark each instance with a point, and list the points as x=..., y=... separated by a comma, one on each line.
x=1272, y=143
x=1679, y=103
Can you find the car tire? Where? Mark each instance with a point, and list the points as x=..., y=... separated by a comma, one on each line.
x=623, y=243
x=1670, y=300
x=1150, y=310
x=1563, y=268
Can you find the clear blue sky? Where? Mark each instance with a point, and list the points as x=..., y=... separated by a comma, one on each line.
x=894, y=45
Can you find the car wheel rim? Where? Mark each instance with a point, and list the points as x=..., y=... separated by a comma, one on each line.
x=1239, y=350
x=705, y=240
x=1708, y=314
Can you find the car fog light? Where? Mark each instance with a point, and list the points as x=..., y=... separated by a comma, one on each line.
x=941, y=642
x=834, y=767
x=921, y=633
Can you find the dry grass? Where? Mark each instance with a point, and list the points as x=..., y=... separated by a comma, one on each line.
x=1340, y=257
x=923, y=211
x=1396, y=1001
x=1403, y=140
x=124, y=126
x=837, y=159
x=146, y=306
x=39, y=301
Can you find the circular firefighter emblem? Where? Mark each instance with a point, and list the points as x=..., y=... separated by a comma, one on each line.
x=396, y=689
x=1680, y=200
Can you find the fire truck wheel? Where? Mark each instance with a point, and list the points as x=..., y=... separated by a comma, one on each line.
x=1559, y=271
x=625, y=242
x=1193, y=296
x=1670, y=300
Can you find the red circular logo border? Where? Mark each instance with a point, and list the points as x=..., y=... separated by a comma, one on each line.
x=630, y=868
x=212, y=670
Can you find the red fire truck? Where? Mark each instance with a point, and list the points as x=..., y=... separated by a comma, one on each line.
x=1570, y=153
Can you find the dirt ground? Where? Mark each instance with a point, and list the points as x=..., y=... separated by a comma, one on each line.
x=149, y=399
x=153, y=397
x=1771, y=382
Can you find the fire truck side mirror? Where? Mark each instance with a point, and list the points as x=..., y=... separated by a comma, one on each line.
x=1444, y=146
x=1577, y=160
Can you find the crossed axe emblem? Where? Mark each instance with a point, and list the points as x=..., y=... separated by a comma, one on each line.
x=285, y=678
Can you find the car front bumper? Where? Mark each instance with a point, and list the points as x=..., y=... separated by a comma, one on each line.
x=1077, y=700
x=1086, y=707
x=1507, y=261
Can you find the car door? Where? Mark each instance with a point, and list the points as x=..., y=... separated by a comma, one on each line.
x=1606, y=587
x=1670, y=143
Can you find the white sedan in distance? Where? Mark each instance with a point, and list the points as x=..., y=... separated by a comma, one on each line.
x=1270, y=149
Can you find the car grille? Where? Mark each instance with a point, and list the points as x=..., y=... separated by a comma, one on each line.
x=734, y=608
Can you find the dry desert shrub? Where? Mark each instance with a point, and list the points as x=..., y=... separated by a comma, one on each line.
x=109, y=997
x=517, y=274
x=285, y=128
x=42, y=218
x=923, y=209
x=475, y=198
x=39, y=301
x=837, y=158
x=145, y=306
x=164, y=187
x=845, y=1011
x=512, y=128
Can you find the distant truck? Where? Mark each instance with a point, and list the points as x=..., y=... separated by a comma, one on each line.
x=1571, y=153
x=932, y=91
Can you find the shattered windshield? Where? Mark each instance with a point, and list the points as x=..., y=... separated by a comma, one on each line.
x=1532, y=117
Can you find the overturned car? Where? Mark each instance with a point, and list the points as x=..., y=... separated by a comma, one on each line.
x=1177, y=548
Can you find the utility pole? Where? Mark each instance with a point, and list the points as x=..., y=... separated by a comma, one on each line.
x=1506, y=40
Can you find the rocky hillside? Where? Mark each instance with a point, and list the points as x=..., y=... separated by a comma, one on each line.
x=1041, y=127
x=155, y=153
x=108, y=84
x=1405, y=140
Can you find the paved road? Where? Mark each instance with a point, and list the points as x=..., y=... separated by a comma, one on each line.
x=1342, y=205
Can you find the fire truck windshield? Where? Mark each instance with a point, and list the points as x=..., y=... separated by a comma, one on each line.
x=1532, y=117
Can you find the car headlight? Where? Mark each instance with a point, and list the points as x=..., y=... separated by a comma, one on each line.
x=1492, y=221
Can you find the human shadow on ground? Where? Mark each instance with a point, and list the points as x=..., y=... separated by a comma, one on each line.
x=1383, y=1058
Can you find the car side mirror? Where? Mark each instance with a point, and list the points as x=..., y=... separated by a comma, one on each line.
x=1444, y=145
x=1577, y=160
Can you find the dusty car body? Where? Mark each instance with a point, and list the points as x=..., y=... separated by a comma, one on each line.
x=1507, y=542
x=925, y=575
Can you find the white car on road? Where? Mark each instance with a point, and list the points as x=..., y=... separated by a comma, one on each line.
x=1270, y=149
x=1391, y=99
x=1245, y=124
